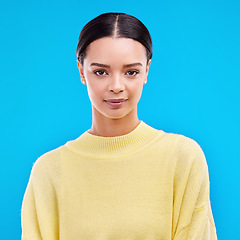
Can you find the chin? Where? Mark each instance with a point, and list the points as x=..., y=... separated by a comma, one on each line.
x=115, y=117
x=114, y=114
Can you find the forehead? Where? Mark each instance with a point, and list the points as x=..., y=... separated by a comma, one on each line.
x=116, y=49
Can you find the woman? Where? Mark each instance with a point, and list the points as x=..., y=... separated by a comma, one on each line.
x=121, y=179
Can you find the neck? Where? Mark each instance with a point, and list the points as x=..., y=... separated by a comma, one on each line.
x=110, y=127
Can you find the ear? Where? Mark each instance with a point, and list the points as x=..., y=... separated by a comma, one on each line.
x=147, y=70
x=80, y=67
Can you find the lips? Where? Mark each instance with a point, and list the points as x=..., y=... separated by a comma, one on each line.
x=116, y=102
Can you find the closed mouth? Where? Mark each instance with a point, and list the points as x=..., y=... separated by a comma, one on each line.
x=116, y=100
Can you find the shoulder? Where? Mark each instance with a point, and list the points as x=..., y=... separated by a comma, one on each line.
x=191, y=152
x=189, y=147
x=182, y=143
x=190, y=159
x=47, y=164
x=185, y=151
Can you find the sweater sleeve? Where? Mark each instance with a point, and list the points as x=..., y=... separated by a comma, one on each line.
x=39, y=208
x=192, y=213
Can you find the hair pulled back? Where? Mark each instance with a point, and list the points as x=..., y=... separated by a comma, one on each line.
x=113, y=24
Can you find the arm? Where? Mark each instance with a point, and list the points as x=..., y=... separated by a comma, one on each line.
x=39, y=207
x=30, y=225
x=193, y=219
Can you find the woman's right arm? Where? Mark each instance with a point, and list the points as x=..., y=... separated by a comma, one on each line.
x=39, y=208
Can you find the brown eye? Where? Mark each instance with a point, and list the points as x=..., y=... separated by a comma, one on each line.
x=100, y=72
x=132, y=73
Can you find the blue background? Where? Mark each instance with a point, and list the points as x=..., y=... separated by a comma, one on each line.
x=193, y=89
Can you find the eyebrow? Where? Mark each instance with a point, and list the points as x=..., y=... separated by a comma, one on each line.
x=107, y=66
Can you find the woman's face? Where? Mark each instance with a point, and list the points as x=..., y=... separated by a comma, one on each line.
x=114, y=70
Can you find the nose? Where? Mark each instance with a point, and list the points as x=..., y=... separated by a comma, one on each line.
x=116, y=84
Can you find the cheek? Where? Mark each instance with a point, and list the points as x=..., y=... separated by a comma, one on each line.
x=136, y=91
x=94, y=90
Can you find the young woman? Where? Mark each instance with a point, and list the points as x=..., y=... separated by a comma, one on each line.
x=121, y=179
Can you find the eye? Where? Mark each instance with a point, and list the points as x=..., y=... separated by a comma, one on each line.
x=132, y=72
x=100, y=72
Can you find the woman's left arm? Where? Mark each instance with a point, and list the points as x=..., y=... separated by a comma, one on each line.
x=192, y=213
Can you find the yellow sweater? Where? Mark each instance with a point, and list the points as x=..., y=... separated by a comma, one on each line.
x=145, y=185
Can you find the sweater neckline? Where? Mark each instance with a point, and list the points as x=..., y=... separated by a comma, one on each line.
x=104, y=147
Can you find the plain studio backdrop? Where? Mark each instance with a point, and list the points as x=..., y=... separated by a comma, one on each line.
x=193, y=89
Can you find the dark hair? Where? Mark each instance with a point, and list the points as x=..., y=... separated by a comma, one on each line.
x=119, y=25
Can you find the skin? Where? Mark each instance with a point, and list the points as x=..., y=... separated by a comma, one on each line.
x=114, y=81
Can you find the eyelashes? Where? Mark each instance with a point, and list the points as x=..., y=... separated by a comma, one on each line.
x=103, y=72
x=132, y=72
x=100, y=72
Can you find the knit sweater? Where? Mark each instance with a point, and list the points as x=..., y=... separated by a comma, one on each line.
x=145, y=185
